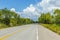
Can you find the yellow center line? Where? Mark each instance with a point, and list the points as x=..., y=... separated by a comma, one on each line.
x=8, y=35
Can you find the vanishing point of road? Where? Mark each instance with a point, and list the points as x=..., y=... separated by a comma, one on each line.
x=28, y=32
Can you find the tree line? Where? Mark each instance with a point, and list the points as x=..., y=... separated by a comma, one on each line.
x=48, y=18
x=10, y=18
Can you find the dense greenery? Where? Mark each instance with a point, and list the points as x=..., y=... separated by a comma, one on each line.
x=51, y=21
x=9, y=18
x=47, y=18
x=57, y=16
x=55, y=28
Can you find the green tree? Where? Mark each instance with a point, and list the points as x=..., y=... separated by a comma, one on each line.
x=6, y=16
x=41, y=18
x=45, y=18
x=57, y=16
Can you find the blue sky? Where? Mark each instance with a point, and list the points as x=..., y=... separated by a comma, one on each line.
x=19, y=5
x=30, y=8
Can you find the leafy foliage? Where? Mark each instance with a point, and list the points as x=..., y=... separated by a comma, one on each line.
x=57, y=16
x=11, y=18
x=45, y=18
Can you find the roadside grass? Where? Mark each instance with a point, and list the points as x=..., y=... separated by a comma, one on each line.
x=55, y=28
x=3, y=26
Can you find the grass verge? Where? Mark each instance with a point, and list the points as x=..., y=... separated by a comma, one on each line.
x=55, y=28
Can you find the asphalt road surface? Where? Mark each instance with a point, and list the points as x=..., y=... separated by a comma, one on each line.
x=28, y=32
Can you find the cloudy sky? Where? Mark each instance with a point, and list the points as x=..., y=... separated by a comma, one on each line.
x=30, y=8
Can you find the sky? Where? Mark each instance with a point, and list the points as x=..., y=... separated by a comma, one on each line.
x=30, y=8
x=19, y=5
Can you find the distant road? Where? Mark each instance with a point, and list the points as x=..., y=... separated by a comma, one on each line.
x=28, y=32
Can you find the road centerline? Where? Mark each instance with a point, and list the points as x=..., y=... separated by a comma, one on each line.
x=37, y=33
x=8, y=35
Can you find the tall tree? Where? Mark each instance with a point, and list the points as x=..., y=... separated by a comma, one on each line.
x=45, y=18
x=57, y=16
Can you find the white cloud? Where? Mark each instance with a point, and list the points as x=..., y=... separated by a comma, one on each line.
x=49, y=5
x=33, y=11
x=12, y=9
x=30, y=12
x=31, y=8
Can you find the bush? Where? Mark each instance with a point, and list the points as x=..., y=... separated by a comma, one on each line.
x=3, y=26
x=55, y=28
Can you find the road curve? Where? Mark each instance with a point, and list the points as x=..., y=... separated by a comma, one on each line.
x=28, y=32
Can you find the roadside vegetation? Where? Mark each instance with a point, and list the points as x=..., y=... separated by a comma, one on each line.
x=55, y=28
x=10, y=19
x=51, y=21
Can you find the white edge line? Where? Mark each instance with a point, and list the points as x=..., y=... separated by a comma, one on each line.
x=37, y=33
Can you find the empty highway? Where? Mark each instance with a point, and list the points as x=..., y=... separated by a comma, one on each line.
x=28, y=32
